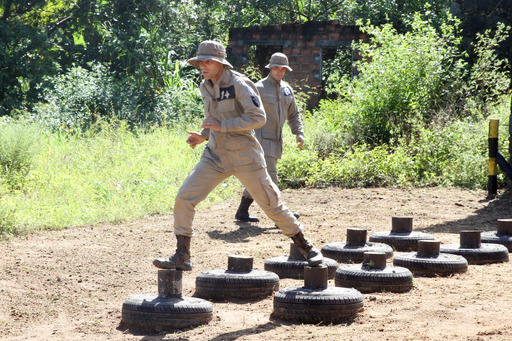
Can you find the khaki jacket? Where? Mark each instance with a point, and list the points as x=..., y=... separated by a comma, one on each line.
x=279, y=103
x=234, y=101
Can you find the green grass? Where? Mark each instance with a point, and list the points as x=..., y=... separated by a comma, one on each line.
x=112, y=176
x=54, y=181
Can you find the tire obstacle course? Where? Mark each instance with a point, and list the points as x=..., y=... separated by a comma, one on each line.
x=292, y=265
x=315, y=302
x=374, y=275
x=428, y=261
x=503, y=234
x=475, y=251
x=238, y=282
x=401, y=237
x=169, y=310
x=352, y=251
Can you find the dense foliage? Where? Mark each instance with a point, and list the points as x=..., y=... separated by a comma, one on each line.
x=140, y=42
x=96, y=97
x=414, y=80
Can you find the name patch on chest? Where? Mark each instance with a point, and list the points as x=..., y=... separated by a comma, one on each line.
x=287, y=91
x=227, y=93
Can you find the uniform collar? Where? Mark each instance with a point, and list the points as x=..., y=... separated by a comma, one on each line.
x=224, y=78
x=226, y=75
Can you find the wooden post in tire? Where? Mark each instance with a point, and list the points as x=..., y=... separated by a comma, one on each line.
x=240, y=263
x=492, y=182
x=169, y=310
x=315, y=277
x=428, y=248
x=504, y=227
x=356, y=236
x=170, y=283
x=401, y=224
x=470, y=239
x=374, y=260
x=295, y=253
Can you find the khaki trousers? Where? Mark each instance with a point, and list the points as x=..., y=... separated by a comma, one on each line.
x=272, y=171
x=205, y=177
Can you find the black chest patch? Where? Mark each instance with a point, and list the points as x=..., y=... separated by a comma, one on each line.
x=287, y=91
x=227, y=93
x=255, y=101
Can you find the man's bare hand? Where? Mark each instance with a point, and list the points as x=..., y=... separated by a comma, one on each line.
x=300, y=141
x=194, y=139
x=211, y=123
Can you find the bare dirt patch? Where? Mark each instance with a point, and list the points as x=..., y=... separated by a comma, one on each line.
x=71, y=284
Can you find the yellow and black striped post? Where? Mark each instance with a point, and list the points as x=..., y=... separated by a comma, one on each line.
x=492, y=182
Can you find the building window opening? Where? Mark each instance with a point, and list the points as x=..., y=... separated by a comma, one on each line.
x=336, y=65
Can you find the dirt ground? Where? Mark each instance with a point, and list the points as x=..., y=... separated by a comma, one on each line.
x=71, y=284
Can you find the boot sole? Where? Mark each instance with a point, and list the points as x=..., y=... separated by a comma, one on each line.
x=315, y=261
x=169, y=267
x=248, y=220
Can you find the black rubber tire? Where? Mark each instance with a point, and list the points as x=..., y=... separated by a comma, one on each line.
x=401, y=241
x=485, y=254
x=318, y=306
x=444, y=264
x=222, y=284
x=491, y=237
x=343, y=253
x=154, y=313
x=292, y=268
x=391, y=279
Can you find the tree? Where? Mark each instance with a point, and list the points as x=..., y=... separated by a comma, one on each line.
x=24, y=53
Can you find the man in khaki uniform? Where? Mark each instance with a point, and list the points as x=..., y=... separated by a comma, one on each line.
x=233, y=110
x=279, y=103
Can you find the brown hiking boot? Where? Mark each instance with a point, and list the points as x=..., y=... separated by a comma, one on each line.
x=312, y=254
x=180, y=260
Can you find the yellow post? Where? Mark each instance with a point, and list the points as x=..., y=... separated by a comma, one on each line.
x=492, y=183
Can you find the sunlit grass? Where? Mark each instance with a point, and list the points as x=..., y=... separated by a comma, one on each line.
x=112, y=176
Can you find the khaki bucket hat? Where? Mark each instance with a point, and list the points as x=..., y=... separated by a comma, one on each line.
x=210, y=50
x=279, y=59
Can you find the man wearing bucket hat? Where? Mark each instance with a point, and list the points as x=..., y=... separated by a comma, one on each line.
x=279, y=103
x=232, y=111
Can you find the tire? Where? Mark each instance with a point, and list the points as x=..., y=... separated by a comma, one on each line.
x=401, y=241
x=490, y=237
x=343, y=253
x=155, y=313
x=318, y=306
x=391, y=279
x=485, y=254
x=443, y=265
x=285, y=267
x=226, y=285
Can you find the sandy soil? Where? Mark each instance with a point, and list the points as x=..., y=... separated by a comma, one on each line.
x=71, y=284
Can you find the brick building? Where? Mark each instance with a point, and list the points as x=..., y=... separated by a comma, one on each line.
x=306, y=45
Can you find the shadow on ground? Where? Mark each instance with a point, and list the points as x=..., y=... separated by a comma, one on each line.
x=235, y=335
x=230, y=336
x=244, y=234
x=484, y=219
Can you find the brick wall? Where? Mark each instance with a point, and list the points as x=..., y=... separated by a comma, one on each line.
x=302, y=43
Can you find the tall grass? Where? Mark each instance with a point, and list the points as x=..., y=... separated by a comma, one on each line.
x=112, y=176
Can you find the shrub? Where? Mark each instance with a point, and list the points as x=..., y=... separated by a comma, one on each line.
x=490, y=76
x=77, y=100
x=452, y=154
x=403, y=81
x=19, y=143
